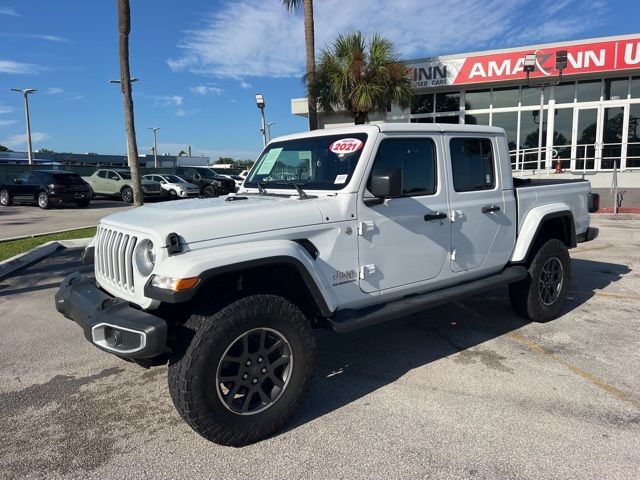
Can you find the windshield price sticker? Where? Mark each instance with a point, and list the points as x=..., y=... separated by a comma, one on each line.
x=341, y=179
x=346, y=145
x=269, y=161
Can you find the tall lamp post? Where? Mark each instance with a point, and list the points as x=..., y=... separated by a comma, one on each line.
x=155, y=146
x=261, y=104
x=25, y=92
x=133, y=79
x=529, y=66
x=269, y=130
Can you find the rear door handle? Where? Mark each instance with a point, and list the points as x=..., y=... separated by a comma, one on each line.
x=435, y=216
x=490, y=208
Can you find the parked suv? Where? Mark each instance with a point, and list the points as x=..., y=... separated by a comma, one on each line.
x=209, y=182
x=173, y=186
x=46, y=188
x=117, y=182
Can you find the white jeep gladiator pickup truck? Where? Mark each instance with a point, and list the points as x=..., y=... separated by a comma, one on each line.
x=342, y=229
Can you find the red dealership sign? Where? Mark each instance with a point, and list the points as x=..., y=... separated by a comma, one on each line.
x=603, y=56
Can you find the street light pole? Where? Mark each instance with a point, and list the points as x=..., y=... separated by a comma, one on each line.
x=269, y=130
x=261, y=104
x=155, y=146
x=133, y=79
x=25, y=92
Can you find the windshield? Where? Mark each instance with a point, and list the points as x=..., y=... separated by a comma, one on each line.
x=173, y=179
x=205, y=172
x=321, y=163
x=124, y=175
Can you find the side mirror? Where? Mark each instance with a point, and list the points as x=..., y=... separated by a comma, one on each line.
x=386, y=183
x=197, y=176
x=115, y=177
x=17, y=180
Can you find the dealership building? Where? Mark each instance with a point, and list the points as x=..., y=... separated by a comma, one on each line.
x=588, y=115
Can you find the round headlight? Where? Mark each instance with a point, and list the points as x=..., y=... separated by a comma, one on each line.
x=145, y=257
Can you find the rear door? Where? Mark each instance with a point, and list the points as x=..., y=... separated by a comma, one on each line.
x=22, y=190
x=405, y=240
x=481, y=225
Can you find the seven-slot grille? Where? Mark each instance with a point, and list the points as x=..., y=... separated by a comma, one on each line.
x=114, y=257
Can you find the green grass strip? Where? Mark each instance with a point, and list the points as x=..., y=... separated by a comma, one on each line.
x=15, y=247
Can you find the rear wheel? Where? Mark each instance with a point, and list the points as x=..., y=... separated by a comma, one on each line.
x=541, y=296
x=5, y=198
x=126, y=194
x=245, y=371
x=209, y=191
x=43, y=200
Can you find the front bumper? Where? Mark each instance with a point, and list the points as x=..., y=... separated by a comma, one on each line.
x=110, y=323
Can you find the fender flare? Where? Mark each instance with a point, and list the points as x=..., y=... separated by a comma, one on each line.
x=234, y=258
x=533, y=221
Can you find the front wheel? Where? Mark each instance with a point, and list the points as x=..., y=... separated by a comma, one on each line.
x=209, y=191
x=5, y=198
x=43, y=200
x=541, y=296
x=245, y=371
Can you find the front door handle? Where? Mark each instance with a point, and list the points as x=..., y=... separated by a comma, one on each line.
x=435, y=216
x=490, y=208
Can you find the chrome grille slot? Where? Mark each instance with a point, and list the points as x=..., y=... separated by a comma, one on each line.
x=114, y=258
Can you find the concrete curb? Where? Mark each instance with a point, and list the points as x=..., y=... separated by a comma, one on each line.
x=12, y=264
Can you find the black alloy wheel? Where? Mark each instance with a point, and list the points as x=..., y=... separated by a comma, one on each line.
x=209, y=191
x=550, y=281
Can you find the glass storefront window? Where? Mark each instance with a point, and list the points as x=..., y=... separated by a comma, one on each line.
x=505, y=97
x=477, y=119
x=529, y=129
x=422, y=103
x=589, y=91
x=587, y=124
x=565, y=92
x=477, y=99
x=508, y=121
x=562, y=126
x=635, y=87
x=531, y=96
x=448, y=102
x=612, y=123
x=633, y=145
x=616, y=88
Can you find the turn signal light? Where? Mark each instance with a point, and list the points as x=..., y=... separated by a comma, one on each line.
x=175, y=284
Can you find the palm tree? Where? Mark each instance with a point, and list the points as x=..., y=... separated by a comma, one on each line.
x=360, y=77
x=124, y=27
x=309, y=42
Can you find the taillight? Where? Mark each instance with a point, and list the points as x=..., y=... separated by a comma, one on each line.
x=593, y=202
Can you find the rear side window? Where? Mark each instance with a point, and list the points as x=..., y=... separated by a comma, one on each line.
x=472, y=164
x=102, y=173
x=67, y=178
x=416, y=158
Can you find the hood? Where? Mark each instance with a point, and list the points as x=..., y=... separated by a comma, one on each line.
x=202, y=219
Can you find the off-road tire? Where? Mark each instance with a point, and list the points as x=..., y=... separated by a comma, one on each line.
x=126, y=194
x=205, y=339
x=525, y=295
x=5, y=198
x=42, y=199
x=209, y=190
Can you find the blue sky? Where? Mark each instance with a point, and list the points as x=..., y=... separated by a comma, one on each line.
x=200, y=62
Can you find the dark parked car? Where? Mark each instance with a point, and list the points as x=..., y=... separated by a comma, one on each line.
x=47, y=188
x=208, y=181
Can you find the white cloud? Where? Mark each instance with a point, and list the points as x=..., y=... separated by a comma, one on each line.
x=6, y=109
x=248, y=38
x=207, y=89
x=9, y=11
x=244, y=84
x=53, y=91
x=19, y=68
x=167, y=100
x=50, y=38
x=74, y=98
x=4, y=123
x=20, y=140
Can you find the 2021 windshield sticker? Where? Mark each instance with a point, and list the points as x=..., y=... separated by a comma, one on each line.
x=345, y=146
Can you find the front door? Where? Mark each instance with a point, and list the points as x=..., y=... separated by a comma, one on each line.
x=585, y=138
x=405, y=240
x=481, y=229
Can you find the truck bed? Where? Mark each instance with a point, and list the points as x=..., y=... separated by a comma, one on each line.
x=536, y=192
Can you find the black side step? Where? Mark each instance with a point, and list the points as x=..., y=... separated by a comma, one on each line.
x=348, y=320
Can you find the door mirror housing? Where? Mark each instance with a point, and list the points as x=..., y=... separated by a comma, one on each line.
x=17, y=180
x=386, y=183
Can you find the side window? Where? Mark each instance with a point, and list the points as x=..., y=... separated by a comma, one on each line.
x=416, y=158
x=472, y=164
x=102, y=173
x=26, y=177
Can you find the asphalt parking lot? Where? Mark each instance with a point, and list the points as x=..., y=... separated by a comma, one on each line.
x=22, y=220
x=467, y=390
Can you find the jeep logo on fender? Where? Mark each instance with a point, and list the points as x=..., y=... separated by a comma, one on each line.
x=340, y=278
